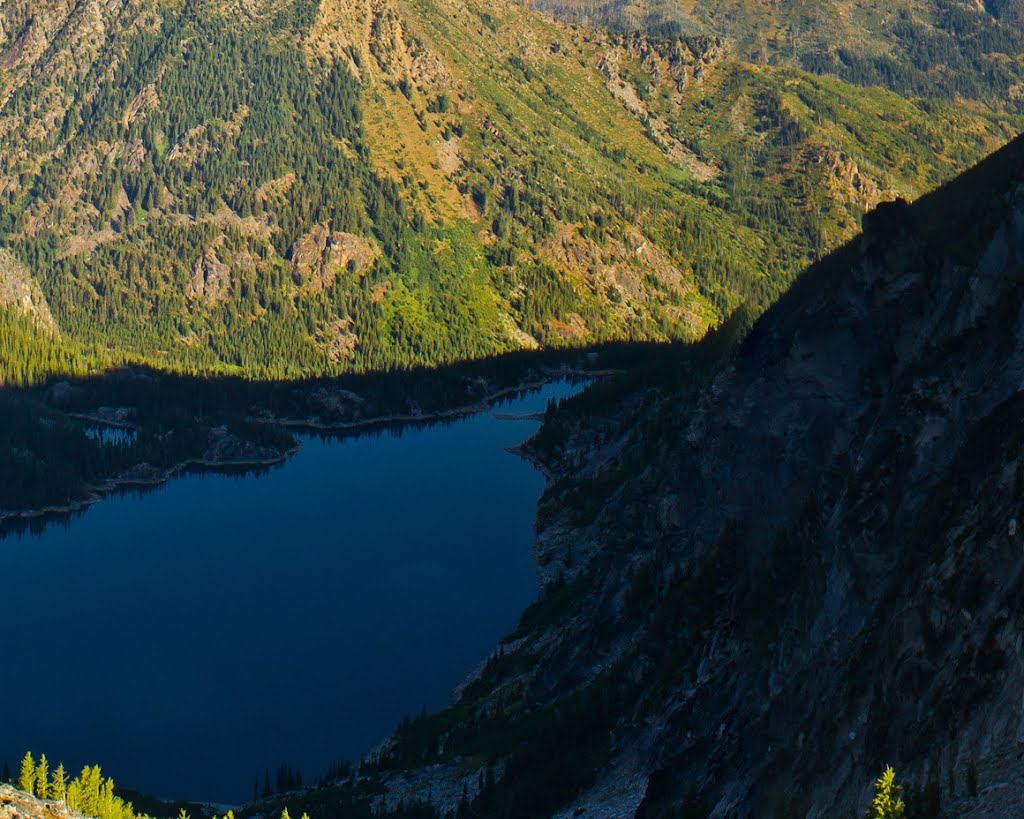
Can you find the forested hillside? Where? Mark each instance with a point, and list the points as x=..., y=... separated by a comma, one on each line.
x=280, y=189
x=938, y=49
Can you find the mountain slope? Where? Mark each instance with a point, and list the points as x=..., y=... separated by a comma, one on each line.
x=940, y=49
x=280, y=189
x=781, y=560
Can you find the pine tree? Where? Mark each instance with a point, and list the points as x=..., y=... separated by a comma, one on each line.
x=887, y=803
x=59, y=784
x=27, y=777
x=43, y=778
x=91, y=781
x=74, y=796
x=285, y=814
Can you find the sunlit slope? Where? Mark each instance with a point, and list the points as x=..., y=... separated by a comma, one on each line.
x=297, y=188
x=943, y=49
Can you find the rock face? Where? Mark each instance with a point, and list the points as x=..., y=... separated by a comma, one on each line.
x=830, y=523
x=211, y=279
x=337, y=339
x=675, y=66
x=321, y=255
x=19, y=292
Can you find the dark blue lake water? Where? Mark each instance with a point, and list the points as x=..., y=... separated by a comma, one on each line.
x=191, y=637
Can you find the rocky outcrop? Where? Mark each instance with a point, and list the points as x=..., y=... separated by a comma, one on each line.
x=211, y=279
x=630, y=275
x=673, y=66
x=321, y=255
x=846, y=181
x=15, y=804
x=19, y=292
x=337, y=339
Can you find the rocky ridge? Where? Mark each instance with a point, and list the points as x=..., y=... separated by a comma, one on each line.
x=861, y=604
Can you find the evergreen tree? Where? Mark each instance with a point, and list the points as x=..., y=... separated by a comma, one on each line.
x=27, y=777
x=59, y=784
x=74, y=795
x=43, y=778
x=887, y=803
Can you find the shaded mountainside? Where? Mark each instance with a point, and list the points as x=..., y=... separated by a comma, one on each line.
x=290, y=188
x=777, y=560
x=67, y=445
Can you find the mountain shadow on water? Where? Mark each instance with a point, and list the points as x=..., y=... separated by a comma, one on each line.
x=70, y=441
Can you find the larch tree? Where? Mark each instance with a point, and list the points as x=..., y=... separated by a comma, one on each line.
x=27, y=776
x=43, y=778
x=59, y=783
x=887, y=803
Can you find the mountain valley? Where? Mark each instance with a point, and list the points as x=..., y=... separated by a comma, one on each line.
x=779, y=547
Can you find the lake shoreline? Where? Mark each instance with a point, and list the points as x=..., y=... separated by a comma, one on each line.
x=11, y=519
x=480, y=405
x=100, y=491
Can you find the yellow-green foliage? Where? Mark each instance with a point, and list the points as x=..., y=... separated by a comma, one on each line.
x=59, y=784
x=284, y=815
x=42, y=787
x=27, y=777
x=29, y=353
x=89, y=793
x=887, y=803
x=519, y=191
